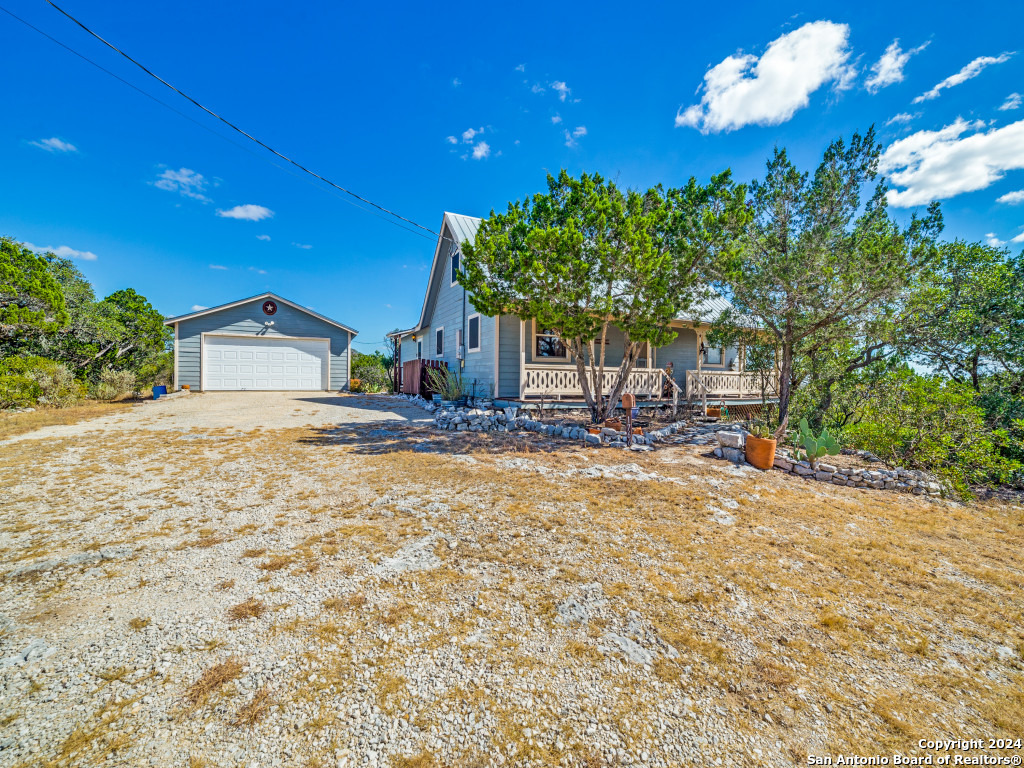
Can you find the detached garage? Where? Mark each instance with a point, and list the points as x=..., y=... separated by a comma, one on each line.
x=264, y=342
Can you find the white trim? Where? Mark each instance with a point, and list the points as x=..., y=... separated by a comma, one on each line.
x=479, y=333
x=211, y=310
x=497, y=357
x=533, y=348
x=706, y=364
x=325, y=385
x=175, y=382
x=434, y=331
x=451, y=265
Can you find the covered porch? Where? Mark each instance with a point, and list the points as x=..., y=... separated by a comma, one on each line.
x=725, y=380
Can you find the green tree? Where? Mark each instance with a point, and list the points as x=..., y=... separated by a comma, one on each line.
x=31, y=302
x=586, y=256
x=817, y=265
x=966, y=318
x=134, y=331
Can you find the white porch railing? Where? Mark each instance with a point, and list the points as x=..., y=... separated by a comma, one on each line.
x=727, y=383
x=557, y=381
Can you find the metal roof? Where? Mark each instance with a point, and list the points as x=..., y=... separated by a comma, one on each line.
x=463, y=227
x=708, y=310
x=267, y=295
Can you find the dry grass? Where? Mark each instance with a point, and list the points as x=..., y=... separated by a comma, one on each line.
x=12, y=424
x=213, y=680
x=250, y=609
x=139, y=624
x=253, y=712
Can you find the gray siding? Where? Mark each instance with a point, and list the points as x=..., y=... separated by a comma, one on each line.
x=449, y=306
x=247, y=320
x=682, y=353
x=508, y=356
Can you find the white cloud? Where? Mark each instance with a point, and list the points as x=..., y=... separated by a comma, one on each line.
x=258, y=271
x=1018, y=239
x=556, y=119
x=537, y=88
x=973, y=69
x=481, y=150
x=521, y=68
x=745, y=89
x=563, y=89
x=217, y=266
x=1012, y=102
x=303, y=246
x=54, y=145
x=246, y=213
x=185, y=182
x=456, y=82
x=469, y=133
x=264, y=238
x=991, y=239
x=889, y=69
x=1012, y=198
x=198, y=307
x=63, y=251
x=902, y=117
x=577, y=132
x=452, y=140
x=934, y=165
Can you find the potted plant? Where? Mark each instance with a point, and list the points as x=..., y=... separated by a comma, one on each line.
x=449, y=386
x=760, y=446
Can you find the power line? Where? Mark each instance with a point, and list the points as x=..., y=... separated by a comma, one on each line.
x=236, y=128
x=219, y=135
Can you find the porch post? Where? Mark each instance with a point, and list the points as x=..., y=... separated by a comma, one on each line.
x=522, y=359
x=700, y=383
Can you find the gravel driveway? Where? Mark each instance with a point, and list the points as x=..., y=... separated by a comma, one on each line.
x=255, y=580
x=245, y=411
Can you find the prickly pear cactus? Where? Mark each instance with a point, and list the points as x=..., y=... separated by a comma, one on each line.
x=814, y=448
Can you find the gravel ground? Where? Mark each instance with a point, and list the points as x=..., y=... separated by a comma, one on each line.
x=274, y=579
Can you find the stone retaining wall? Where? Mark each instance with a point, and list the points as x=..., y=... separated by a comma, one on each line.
x=732, y=447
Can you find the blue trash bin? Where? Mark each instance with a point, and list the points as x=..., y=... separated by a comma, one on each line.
x=158, y=390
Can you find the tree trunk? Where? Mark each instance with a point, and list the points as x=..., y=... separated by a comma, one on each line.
x=785, y=389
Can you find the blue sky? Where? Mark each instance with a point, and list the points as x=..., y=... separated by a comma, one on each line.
x=425, y=110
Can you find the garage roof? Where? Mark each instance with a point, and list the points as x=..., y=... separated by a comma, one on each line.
x=211, y=310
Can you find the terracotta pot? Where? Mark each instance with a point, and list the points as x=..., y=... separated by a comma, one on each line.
x=594, y=430
x=715, y=412
x=637, y=431
x=615, y=424
x=760, y=452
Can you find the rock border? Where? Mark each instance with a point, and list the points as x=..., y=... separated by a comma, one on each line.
x=461, y=419
x=731, y=446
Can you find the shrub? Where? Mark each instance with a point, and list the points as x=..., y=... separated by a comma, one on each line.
x=114, y=384
x=369, y=374
x=928, y=422
x=24, y=380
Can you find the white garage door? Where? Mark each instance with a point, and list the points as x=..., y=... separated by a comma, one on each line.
x=231, y=363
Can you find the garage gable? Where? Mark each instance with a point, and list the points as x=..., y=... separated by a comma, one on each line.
x=264, y=342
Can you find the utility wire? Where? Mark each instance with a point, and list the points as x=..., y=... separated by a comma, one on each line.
x=237, y=129
x=205, y=127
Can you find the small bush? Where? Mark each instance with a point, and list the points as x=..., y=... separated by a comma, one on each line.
x=114, y=384
x=369, y=373
x=932, y=423
x=24, y=380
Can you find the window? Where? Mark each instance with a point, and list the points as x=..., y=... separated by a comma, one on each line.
x=547, y=344
x=474, y=333
x=455, y=266
x=713, y=356
x=439, y=342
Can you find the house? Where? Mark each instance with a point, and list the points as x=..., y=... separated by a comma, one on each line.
x=263, y=342
x=515, y=360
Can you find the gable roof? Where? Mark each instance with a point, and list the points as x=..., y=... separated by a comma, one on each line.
x=463, y=228
x=268, y=295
